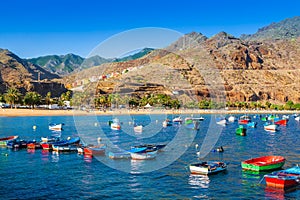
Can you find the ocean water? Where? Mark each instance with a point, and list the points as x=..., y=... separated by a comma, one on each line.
x=46, y=175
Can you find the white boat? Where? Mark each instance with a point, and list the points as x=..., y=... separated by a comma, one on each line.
x=231, y=118
x=119, y=155
x=271, y=127
x=207, y=168
x=138, y=129
x=144, y=155
x=297, y=118
x=64, y=148
x=115, y=125
x=222, y=122
x=194, y=118
x=177, y=120
x=55, y=127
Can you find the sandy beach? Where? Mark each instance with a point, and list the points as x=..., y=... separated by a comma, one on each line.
x=41, y=112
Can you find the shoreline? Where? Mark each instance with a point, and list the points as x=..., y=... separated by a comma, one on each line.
x=39, y=112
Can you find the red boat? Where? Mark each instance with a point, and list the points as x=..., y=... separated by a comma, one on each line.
x=46, y=146
x=245, y=119
x=282, y=122
x=94, y=150
x=284, y=179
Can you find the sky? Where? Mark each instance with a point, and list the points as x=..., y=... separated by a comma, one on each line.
x=31, y=28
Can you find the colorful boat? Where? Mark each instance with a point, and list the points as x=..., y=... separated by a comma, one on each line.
x=284, y=179
x=241, y=130
x=147, y=147
x=177, y=120
x=67, y=148
x=252, y=124
x=192, y=124
x=55, y=127
x=263, y=163
x=94, y=150
x=3, y=141
x=33, y=145
x=282, y=122
x=115, y=124
x=207, y=168
x=166, y=123
x=245, y=119
x=271, y=127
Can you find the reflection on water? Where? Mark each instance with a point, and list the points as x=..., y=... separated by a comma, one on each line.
x=200, y=181
x=88, y=158
x=275, y=193
x=55, y=156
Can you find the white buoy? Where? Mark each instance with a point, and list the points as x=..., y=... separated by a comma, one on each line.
x=96, y=124
x=34, y=127
x=99, y=139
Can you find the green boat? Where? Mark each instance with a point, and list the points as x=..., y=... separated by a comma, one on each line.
x=241, y=131
x=264, y=163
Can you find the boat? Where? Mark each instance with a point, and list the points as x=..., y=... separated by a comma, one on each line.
x=222, y=122
x=241, y=130
x=143, y=155
x=252, y=124
x=177, y=120
x=119, y=155
x=138, y=129
x=282, y=122
x=147, y=147
x=231, y=118
x=284, y=179
x=194, y=118
x=192, y=124
x=166, y=123
x=245, y=119
x=297, y=118
x=94, y=150
x=263, y=163
x=115, y=124
x=33, y=145
x=66, y=142
x=271, y=127
x=207, y=168
x=55, y=127
x=3, y=141
x=66, y=148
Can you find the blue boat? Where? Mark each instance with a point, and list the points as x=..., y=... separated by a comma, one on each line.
x=252, y=124
x=67, y=142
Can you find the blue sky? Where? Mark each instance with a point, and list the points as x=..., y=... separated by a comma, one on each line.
x=32, y=28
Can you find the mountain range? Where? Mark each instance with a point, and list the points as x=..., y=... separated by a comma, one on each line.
x=263, y=66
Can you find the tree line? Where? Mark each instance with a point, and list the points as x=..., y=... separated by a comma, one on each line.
x=13, y=97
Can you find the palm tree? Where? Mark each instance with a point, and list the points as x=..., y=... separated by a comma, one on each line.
x=12, y=96
x=48, y=99
x=32, y=98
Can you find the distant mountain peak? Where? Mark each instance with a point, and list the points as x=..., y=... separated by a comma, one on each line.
x=286, y=29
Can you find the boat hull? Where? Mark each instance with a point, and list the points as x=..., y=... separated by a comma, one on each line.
x=207, y=168
x=282, y=183
x=143, y=156
x=264, y=163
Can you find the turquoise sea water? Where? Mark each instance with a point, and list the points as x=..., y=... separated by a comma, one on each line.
x=45, y=175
